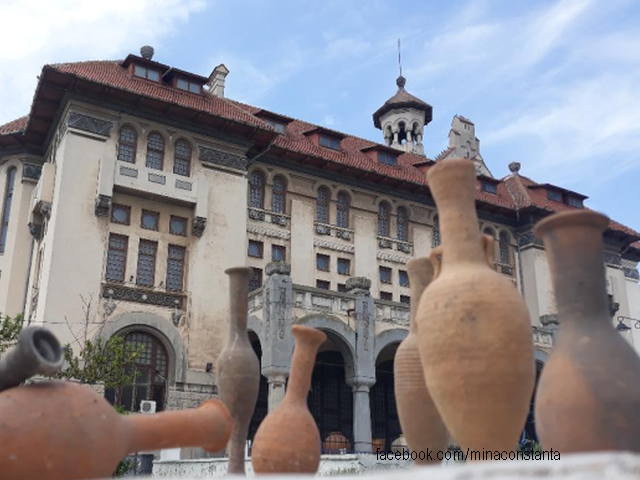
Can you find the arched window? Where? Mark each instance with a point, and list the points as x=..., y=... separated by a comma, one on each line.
x=155, y=151
x=152, y=370
x=279, y=195
x=342, y=219
x=504, y=248
x=489, y=231
x=256, y=189
x=383, y=219
x=6, y=207
x=435, y=238
x=402, y=224
x=322, y=205
x=182, y=158
x=127, y=144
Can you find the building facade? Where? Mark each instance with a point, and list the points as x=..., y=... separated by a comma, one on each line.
x=132, y=185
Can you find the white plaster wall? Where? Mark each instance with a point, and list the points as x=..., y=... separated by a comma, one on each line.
x=303, y=263
x=366, y=247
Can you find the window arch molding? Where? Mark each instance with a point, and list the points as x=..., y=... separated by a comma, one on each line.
x=128, y=137
x=256, y=191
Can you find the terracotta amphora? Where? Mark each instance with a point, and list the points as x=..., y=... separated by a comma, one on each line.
x=421, y=423
x=65, y=431
x=288, y=440
x=474, y=331
x=588, y=398
x=238, y=369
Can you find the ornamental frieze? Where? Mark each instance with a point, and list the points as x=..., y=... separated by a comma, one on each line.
x=338, y=247
x=129, y=294
x=631, y=273
x=392, y=257
x=216, y=157
x=268, y=232
x=31, y=171
x=89, y=124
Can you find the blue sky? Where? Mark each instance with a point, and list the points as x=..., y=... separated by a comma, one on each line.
x=554, y=85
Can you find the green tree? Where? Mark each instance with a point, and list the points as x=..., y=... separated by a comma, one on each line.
x=9, y=331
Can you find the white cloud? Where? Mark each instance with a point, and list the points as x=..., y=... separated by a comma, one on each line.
x=39, y=32
x=329, y=121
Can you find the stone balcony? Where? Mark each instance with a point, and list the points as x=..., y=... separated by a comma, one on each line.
x=334, y=231
x=262, y=215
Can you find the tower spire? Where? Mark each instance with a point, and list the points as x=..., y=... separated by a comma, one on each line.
x=399, y=57
x=400, y=81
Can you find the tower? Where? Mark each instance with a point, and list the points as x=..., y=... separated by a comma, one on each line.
x=402, y=119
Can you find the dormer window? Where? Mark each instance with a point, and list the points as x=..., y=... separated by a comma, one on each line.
x=554, y=195
x=490, y=187
x=146, y=73
x=387, y=158
x=574, y=201
x=279, y=127
x=188, y=86
x=329, y=142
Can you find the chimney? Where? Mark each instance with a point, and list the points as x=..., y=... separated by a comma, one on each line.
x=216, y=81
x=146, y=52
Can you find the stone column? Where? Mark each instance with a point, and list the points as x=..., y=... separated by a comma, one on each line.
x=364, y=371
x=277, y=304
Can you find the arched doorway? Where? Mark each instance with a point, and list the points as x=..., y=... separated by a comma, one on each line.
x=330, y=400
x=262, y=404
x=151, y=373
x=385, y=425
x=529, y=435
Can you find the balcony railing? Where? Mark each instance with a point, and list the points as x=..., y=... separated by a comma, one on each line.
x=261, y=215
x=334, y=231
x=395, y=244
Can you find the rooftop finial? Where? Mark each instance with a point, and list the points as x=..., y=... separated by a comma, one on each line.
x=514, y=167
x=401, y=81
x=146, y=52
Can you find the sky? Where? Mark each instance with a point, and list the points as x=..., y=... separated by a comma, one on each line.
x=554, y=85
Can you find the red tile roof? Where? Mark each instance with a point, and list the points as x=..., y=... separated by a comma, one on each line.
x=513, y=192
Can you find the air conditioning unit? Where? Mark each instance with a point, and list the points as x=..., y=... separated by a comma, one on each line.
x=147, y=406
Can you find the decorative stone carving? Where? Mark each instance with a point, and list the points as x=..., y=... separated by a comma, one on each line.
x=612, y=259
x=279, y=219
x=255, y=214
x=391, y=257
x=358, y=284
x=338, y=247
x=216, y=157
x=45, y=209
x=550, y=319
x=130, y=294
x=35, y=230
x=323, y=229
x=631, y=273
x=31, y=171
x=103, y=204
x=529, y=239
x=404, y=247
x=385, y=243
x=268, y=232
x=89, y=124
x=343, y=234
x=198, y=225
x=279, y=268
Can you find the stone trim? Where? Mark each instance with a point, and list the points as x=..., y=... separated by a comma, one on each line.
x=392, y=257
x=31, y=172
x=89, y=124
x=268, y=232
x=138, y=295
x=389, y=337
x=631, y=273
x=338, y=247
x=102, y=206
x=216, y=157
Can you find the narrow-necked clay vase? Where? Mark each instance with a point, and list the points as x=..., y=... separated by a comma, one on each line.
x=288, y=440
x=65, y=431
x=588, y=398
x=238, y=369
x=421, y=423
x=474, y=330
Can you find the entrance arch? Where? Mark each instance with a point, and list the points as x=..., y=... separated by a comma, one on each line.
x=262, y=404
x=385, y=425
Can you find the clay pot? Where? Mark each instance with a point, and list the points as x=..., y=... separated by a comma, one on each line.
x=288, y=440
x=474, y=330
x=65, y=431
x=421, y=423
x=588, y=397
x=238, y=369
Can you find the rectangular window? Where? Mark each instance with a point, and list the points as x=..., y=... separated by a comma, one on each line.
x=406, y=299
x=255, y=249
x=342, y=288
x=278, y=253
x=280, y=127
x=147, y=73
x=386, y=296
x=574, y=201
x=322, y=262
x=324, y=285
x=385, y=274
x=329, y=142
x=189, y=86
x=255, y=279
x=403, y=278
x=117, y=258
x=490, y=187
x=554, y=195
x=175, y=267
x=387, y=158
x=146, y=272
x=344, y=266
x=121, y=214
x=181, y=166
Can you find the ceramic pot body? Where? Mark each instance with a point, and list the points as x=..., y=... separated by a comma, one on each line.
x=421, y=423
x=588, y=397
x=65, y=431
x=288, y=440
x=474, y=330
x=238, y=369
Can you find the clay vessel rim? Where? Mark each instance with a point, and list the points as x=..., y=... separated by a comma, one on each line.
x=231, y=270
x=42, y=334
x=571, y=218
x=450, y=164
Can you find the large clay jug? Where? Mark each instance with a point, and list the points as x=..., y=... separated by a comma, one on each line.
x=238, y=369
x=288, y=440
x=588, y=397
x=474, y=331
x=65, y=431
x=421, y=423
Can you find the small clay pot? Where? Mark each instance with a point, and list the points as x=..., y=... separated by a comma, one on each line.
x=474, y=329
x=588, y=397
x=238, y=369
x=65, y=431
x=288, y=440
x=421, y=423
